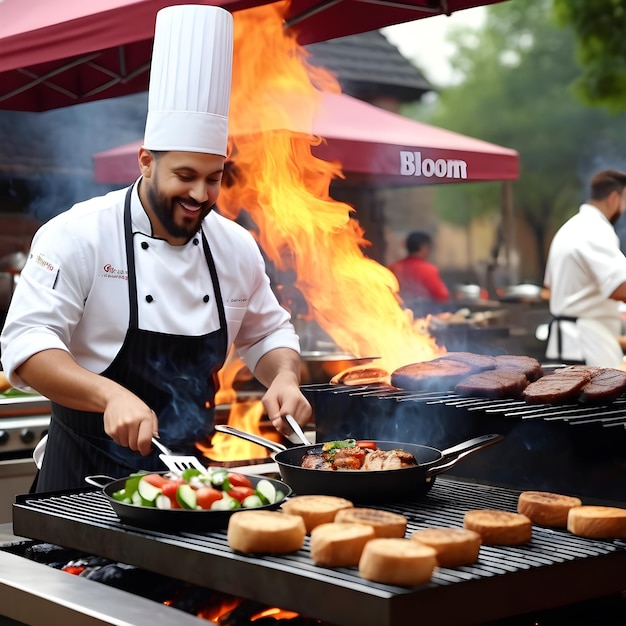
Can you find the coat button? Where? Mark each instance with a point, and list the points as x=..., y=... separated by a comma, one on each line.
x=206, y=298
x=149, y=298
x=144, y=245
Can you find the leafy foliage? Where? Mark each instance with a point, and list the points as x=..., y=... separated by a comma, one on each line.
x=599, y=27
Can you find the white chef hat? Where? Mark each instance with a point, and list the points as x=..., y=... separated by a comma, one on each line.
x=190, y=80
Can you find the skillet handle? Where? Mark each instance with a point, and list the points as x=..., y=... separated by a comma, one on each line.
x=242, y=434
x=451, y=456
x=99, y=480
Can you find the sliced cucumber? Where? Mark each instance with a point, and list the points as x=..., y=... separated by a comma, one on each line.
x=252, y=502
x=163, y=502
x=136, y=499
x=148, y=491
x=186, y=496
x=266, y=490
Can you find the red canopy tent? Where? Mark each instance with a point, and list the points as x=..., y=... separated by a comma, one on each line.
x=368, y=140
x=56, y=54
x=319, y=20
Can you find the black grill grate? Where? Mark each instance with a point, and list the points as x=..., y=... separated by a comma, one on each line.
x=572, y=448
x=505, y=581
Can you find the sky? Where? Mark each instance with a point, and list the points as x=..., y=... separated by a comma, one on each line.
x=424, y=41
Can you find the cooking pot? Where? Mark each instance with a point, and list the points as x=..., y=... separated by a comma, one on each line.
x=174, y=519
x=366, y=485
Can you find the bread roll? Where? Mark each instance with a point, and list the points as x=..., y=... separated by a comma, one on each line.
x=265, y=532
x=315, y=510
x=384, y=523
x=339, y=545
x=597, y=522
x=499, y=528
x=454, y=546
x=545, y=508
x=401, y=562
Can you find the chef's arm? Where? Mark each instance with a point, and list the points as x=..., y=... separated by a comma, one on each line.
x=279, y=371
x=127, y=419
x=619, y=293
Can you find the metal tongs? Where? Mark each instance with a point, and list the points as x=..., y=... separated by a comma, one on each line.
x=291, y=420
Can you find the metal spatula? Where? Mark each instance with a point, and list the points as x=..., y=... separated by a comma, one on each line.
x=176, y=463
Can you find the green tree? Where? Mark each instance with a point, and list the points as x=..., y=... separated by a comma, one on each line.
x=517, y=71
x=599, y=28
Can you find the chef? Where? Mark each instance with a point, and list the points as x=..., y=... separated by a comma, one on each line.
x=586, y=276
x=128, y=303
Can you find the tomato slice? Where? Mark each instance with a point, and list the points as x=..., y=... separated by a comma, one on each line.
x=240, y=493
x=206, y=496
x=238, y=480
x=169, y=488
x=370, y=445
x=156, y=480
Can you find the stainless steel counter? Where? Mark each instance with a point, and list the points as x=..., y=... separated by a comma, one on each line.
x=38, y=595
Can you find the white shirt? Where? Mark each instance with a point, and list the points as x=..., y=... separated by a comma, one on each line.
x=585, y=266
x=73, y=291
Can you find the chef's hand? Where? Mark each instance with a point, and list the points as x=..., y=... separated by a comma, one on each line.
x=284, y=397
x=130, y=422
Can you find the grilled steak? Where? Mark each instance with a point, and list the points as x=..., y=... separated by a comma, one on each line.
x=493, y=384
x=437, y=375
x=529, y=366
x=478, y=362
x=557, y=387
x=605, y=386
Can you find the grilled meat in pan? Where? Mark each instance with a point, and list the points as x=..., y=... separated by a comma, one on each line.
x=357, y=458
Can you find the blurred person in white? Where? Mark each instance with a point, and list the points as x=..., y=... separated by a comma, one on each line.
x=586, y=278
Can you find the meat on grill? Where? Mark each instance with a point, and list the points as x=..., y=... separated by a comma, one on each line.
x=493, y=384
x=478, y=362
x=357, y=458
x=560, y=386
x=528, y=365
x=605, y=386
x=435, y=375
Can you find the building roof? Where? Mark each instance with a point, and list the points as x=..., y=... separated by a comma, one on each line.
x=367, y=66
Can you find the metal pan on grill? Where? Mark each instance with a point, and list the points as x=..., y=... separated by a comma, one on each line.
x=366, y=486
x=176, y=519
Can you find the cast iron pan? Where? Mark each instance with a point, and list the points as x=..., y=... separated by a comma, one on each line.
x=174, y=519
x=366, y=486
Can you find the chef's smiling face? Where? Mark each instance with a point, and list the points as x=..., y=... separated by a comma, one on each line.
x=178, y=190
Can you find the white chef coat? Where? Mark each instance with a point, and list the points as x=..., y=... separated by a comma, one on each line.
x=585, y=266
x=73, y=292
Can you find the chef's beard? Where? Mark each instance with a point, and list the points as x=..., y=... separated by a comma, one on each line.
x=165, y=208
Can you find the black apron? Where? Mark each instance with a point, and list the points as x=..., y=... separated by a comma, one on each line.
x=555, y=322
x=174, y=375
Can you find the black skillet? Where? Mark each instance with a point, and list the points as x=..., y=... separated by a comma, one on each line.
x=174, y=519
x=366, y=486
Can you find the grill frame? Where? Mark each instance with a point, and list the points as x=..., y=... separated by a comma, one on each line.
x=546, y=447
x=505, y=582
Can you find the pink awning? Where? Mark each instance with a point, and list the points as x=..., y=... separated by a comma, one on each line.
x=368, y=140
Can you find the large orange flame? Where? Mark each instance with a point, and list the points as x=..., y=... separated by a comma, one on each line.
x=285, y=190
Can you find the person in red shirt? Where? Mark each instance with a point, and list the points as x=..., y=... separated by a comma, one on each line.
x=421, y=287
